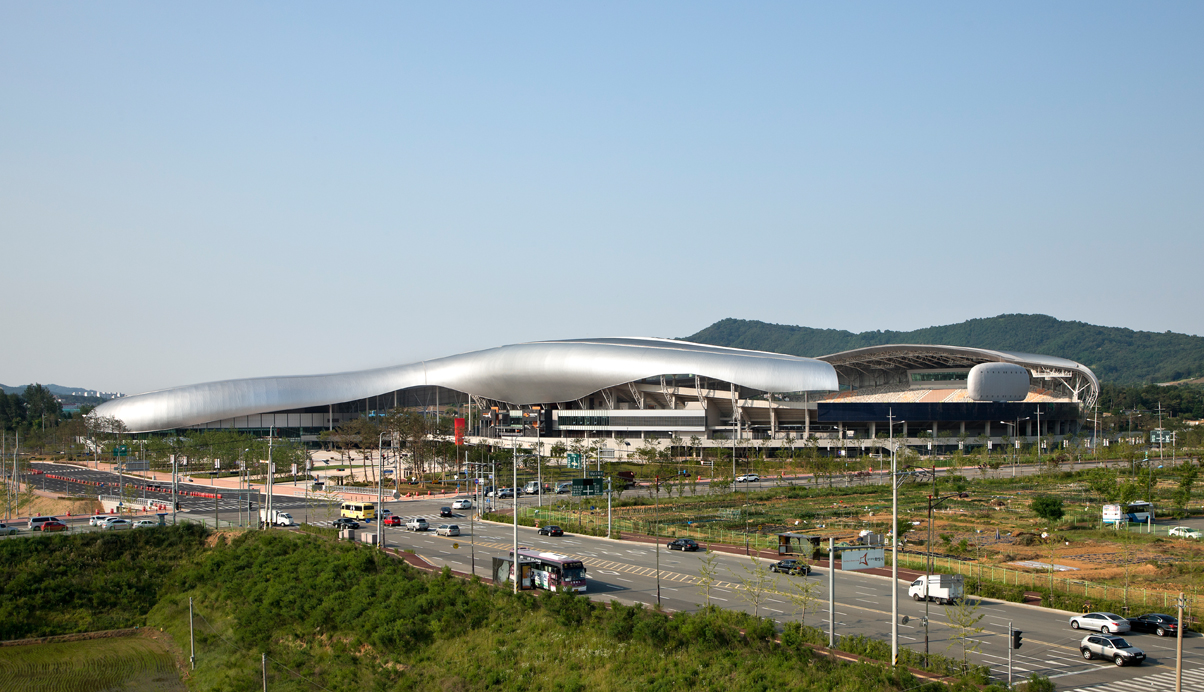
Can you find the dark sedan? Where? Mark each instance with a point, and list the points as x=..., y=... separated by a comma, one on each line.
x=1159, y=624
x=688, y=544
x=346, y=523
x=551, y=531
x=445, y=512
x=791, y=567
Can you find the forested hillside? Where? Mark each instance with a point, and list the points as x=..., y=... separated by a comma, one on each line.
x=1113, y=353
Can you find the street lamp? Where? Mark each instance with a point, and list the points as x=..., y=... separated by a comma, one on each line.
x=1015, y=430
x=933, y=502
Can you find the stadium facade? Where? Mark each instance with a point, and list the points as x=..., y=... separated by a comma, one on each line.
x=622, y=389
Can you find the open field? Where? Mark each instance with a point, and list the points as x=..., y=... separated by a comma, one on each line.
x=121, y=664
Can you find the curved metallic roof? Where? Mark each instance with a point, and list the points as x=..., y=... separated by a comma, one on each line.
x=531, y=373
x=916, y=356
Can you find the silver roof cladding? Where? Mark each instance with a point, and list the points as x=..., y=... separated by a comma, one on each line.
x=531, y=373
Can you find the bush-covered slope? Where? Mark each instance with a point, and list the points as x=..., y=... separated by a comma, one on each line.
x=63, y=584
x=1114, y=354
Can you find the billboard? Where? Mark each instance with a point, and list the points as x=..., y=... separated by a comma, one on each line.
x=862, y=558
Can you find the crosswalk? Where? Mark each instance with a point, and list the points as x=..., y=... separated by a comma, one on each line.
x=1192, y=680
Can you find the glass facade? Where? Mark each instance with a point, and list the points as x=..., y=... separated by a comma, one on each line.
x=940, y=376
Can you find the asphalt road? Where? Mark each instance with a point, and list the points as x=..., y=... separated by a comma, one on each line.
x=627, y=572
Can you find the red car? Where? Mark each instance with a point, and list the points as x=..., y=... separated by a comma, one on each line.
x=54, y=526
x=392, y=520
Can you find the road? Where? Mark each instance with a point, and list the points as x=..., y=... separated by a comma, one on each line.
x=627, y=571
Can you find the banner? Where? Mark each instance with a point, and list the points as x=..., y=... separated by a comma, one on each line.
x=461, y=425
x=862, y=558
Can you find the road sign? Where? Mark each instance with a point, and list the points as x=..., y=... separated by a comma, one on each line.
x=574, y=460
x=587, y=487
x=862, y=558
x=593, y=474
x=121, y=451
x=1161, y=435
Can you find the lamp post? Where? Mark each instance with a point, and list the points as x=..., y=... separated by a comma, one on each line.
x=1015, y=432
x=380, y=492
x=894, y=551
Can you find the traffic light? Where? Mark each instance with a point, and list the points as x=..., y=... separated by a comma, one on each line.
x=1016, y=638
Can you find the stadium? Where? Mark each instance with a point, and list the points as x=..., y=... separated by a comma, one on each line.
x=619, y=390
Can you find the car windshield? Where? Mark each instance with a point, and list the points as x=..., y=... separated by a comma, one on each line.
x=574, y=574
x=1120, y=643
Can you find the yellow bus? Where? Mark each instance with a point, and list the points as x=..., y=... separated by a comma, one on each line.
x=358, y=510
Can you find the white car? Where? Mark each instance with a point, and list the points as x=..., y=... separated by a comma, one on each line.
x=1184, y=532
x=1106, y=623
x=447, y=530
x=145, y=524
x=748, y=478
x=117, y=524
x=6, y=530
x=462, y=504
x=417, y=524
x=99, y=519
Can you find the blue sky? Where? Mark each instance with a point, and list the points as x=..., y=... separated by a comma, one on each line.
x=192, y=192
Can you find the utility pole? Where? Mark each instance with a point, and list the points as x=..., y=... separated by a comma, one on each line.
x=608, y=494
x=1009, y=655
x=1179, y=646
x=380, y=494
x=263, y=662
x=191, y=638
x=271, y=477
x=894, y=551
x=514, y=495
x=831, y=592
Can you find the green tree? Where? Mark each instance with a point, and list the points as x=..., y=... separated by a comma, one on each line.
x=963, y=618
x=1187, y=478
x=1048, y=508
x=757, y=582
x=707, y=575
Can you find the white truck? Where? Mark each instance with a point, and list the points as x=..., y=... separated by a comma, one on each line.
x=531, y=488
x=275, y=517
x=942, y=588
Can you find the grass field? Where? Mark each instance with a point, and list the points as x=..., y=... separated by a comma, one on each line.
x=133, y=664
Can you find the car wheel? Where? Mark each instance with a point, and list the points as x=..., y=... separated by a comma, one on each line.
x=1074, y=624
x=1160, y=632
x=917, y=598
x=1087, y=655
x=1105, y=630
x=1118, y=661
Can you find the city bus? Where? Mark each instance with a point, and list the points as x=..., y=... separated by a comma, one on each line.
x=553, y=571
x=362, y=511
x=1138, y=512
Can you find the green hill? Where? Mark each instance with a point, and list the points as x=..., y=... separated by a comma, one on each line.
x=1113, y=353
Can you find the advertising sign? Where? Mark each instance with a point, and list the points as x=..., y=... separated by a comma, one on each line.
x=862, y=558
x=460, y=426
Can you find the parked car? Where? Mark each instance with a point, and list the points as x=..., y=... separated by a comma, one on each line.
x=1159, y=624
x=550, y=531
x=392, y=520
x=1107, y=623
x=417, y=524
x=1115, y=649
x=791, y=566
x=145, y=524
x=345, y=523
x=35, y=523
x=447, y=530
x=686, y=544
x=748, y=478
x=6, y=530
x=99, y=519
x=117, y=523
x=1184, y=532
x=53, y=526
x=445, y=512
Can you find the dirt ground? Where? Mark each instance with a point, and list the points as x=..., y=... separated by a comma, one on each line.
x=50, y=504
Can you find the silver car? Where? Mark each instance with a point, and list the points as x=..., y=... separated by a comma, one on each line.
x=447, y=530
x=1107, y=623
x=1114, y=649
x=117, y=524
x=6, y=530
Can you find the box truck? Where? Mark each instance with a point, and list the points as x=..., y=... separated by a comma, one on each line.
x=942, y=588
x=275, y=517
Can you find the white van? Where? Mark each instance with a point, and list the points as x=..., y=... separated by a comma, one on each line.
x=35, y=523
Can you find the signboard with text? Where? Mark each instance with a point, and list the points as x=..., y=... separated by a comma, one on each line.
x=862, y=558
x=573, y=459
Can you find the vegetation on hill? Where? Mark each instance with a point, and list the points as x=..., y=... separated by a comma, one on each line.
x=1114, y=354
x=64, y=584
